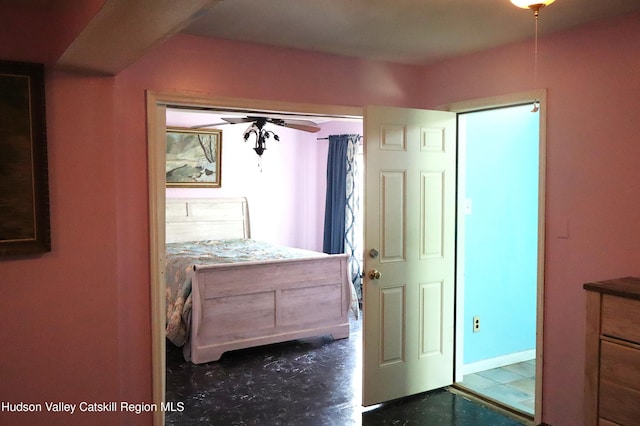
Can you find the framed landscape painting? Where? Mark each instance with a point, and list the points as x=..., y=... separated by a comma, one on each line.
x=24, y=186
x=193, y=157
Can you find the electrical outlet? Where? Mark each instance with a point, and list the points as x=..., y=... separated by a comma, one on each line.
x=476, y=324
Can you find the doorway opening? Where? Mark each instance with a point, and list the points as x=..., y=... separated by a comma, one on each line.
x=157, y=105
x=500, y=260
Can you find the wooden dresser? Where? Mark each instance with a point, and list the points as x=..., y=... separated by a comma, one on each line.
x=612, y=363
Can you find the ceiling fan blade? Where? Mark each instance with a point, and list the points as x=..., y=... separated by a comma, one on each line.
x=202, y=126
x=236, y=120
x=304, y=125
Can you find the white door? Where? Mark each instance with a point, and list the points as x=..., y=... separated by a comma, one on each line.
x=408, y=292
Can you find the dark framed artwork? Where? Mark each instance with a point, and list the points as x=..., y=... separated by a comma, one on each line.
x=193, y=157
x=24, y=184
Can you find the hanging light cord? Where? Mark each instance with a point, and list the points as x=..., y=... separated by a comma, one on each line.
x=535, y=53
x=535, y=59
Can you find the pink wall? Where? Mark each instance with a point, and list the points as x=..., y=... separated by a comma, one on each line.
x=59, y=310
x=213, y=68
x=592, y=151
x=241, y=70
x=76, y=321
x=41, y=34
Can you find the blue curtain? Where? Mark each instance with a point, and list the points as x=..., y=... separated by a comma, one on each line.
x=336, y=201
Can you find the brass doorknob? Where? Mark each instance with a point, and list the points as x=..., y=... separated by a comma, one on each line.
x=374, y=274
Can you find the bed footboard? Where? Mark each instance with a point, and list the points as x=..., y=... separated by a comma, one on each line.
x=249, y=304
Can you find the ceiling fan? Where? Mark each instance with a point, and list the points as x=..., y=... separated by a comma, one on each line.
x=257, y=128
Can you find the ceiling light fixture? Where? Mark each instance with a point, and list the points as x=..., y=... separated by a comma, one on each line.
x=535, y=6
x=257, y=129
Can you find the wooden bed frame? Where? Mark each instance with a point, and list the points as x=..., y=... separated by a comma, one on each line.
x=241, y=305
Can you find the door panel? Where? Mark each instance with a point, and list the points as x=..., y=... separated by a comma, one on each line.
x=410, y=160
x=431, y=327
x=432, y=199
x=392, y=184
x=392, y=326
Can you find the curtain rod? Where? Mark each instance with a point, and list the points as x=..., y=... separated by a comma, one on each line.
x=327, y=138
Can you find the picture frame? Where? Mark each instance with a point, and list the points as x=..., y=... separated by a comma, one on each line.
x=193, y=157
x=24, y=182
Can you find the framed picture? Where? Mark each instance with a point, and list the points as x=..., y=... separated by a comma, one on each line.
x=193, y=157
x=24, y=185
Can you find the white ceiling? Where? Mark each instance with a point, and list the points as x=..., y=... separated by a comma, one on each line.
x=406, y=31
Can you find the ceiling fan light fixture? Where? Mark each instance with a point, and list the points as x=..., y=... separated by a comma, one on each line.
x=534, y=5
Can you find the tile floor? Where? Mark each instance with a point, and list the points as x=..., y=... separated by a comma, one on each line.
x=513, y=385
x=306, y=382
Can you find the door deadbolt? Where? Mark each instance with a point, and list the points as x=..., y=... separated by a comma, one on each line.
x=373, y=253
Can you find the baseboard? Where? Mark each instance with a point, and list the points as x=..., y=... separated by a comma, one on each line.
x=501, y=361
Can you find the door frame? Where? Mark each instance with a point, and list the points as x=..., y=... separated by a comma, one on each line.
x=490, y=103
x=157, y=103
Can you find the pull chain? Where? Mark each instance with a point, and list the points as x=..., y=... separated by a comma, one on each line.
x=535, y=61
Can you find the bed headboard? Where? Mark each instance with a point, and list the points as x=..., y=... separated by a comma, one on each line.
x=206, y=219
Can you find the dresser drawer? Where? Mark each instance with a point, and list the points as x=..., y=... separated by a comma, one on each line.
x=620, y=364
x=621, y=318
x=619, y=404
